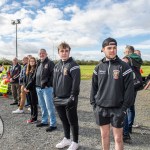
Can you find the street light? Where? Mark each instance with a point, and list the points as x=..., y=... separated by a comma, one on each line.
x=15, y=22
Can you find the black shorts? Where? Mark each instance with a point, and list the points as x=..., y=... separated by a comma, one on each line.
x=113, y=116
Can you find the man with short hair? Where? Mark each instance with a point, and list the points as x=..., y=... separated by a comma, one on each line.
x=22, y=79
x=14, y=80
x=66, y=84
x=134, y=61
x=111, y=94
x=44, y=89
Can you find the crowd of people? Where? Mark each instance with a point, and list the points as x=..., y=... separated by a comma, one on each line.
x=55, y=87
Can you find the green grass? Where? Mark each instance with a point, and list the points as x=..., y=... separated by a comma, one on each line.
x=87, y=71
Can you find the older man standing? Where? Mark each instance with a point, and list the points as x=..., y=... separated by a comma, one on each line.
x=44, y=79
x=14, y=80
x=22, y=79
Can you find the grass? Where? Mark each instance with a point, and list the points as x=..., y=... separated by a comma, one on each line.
x=87, y=71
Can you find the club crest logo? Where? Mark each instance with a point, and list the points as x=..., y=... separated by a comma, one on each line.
x=116, y=74
x=65, y=71
x=46, y=66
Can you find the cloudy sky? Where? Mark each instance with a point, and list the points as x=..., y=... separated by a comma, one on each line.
x=84, y=24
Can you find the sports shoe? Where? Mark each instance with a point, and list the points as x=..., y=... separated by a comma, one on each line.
x=31, y=121
x=73, y=146
x=18, y=111
x=65, y=142
x=135, y=126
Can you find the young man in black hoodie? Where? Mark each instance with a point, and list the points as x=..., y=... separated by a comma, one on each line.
x=66, y=84
x=111, y=94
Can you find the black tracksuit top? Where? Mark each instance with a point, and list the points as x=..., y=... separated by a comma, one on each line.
x=112, y=84
x=66, y=79
x=46, y=73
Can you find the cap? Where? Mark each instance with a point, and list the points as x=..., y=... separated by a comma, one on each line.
x=109, y=41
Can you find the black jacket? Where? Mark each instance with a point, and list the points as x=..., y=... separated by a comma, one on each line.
x=46, y=73
x=66, y=80
x=30, y=81
x=112, y=84
x=15, y=73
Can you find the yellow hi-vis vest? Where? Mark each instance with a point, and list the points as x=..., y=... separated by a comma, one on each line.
x=3, y=87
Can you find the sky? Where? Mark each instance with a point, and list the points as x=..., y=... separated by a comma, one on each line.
x=83, y=24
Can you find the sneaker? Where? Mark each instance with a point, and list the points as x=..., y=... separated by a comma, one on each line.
x=65, y=142
x=73, y=146
x=31, y=121
x=18, y=111
x=135, y=126
x=41, y=124
x=50, y=129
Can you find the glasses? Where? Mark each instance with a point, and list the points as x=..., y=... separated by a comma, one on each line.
x=64, y=51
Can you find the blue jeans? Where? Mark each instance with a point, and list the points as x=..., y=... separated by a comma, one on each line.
x=128, y=120
x=131, y=112
x=45, y=100
x=131, y=115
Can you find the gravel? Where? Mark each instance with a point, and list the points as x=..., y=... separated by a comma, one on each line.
x=18, y=135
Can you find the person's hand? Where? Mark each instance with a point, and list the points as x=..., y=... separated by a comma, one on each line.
x=147, y=86
x=26, y=90
x=122, y=114
x=11, y=80
x=71, y=101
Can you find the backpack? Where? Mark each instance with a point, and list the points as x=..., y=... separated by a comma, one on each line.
x=137, y=78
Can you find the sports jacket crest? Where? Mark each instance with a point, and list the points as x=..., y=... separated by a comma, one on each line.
x=112, y=84
x=66, y=79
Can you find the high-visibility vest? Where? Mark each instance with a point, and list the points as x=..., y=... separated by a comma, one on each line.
x=3, y=87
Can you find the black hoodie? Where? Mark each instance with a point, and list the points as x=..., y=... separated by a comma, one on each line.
x=112, y=84
x=66, y=79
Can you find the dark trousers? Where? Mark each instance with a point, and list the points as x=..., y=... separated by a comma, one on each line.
x=16, y=90
x=33, y=101
x=69, y=119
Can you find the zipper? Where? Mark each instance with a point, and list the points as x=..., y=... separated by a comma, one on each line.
x=62, y=67
x=109, y=67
